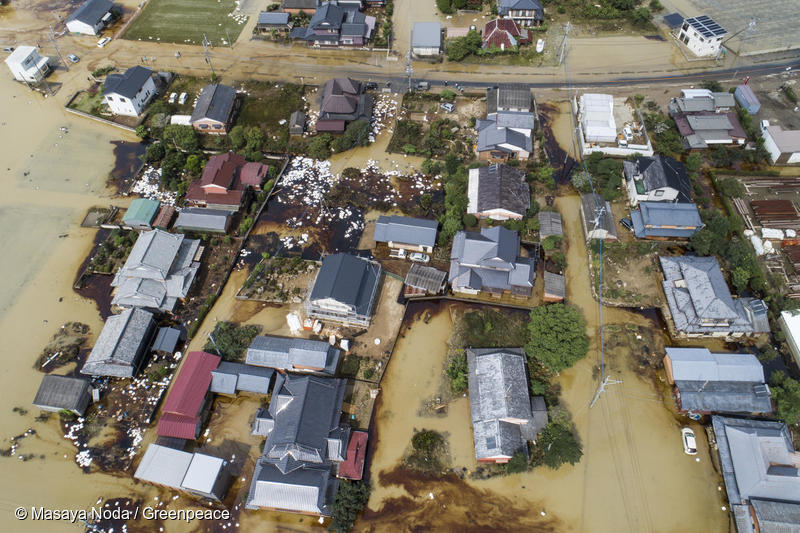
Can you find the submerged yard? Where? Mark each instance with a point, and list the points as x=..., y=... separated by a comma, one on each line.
x=186, y=21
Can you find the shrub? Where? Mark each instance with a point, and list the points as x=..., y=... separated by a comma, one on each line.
x=457, y=372
x=517, y=463
x=470, y=221
x=155, y=152
x=351, y=498
x=559, y=445
x=557, y=336
x=319, y=147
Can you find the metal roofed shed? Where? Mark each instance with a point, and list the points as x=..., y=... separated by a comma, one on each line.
x=297, y=123
x=200, y=219
x=550, y=224
x=353, y=465
x=141, y=213
x=206, y=477
x=747, y=99
x=199, y=474
x=121, y=346
x=406, y=232
x=58, y=393
x=167, y=339
x=186, y=401
x=298, y=355
x=499, y=192
x=426, y=38
x=423, y=280
x=230, y=378
x=555, y=287
x=597, y=117
x=597, y=218
x=508, y=97
x=790, y=324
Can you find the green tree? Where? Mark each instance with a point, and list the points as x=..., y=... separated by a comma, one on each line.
x=237, y=137
x=141, y=131
x=580, y=180
x=786, y=393
x=194, y=164
x=457, y=372
x=517, y=463
x=559, y=445
x=731, y=187
x=155, y=152
x=557, y=336
x=470, y=221
x=356, y=134
x=351, y=498
x=693, y=162
x=740, y=277
x=445, y=6
x=448, y=94
x=232, y=340
x=184, y=137
x=712, y=85
x=171, y=168
x=319, y=146
x=641, y=16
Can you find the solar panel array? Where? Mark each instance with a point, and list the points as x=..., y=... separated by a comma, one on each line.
x=706, y=26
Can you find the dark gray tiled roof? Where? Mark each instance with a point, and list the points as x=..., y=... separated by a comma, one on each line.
x=491, y=136
x=700, y=364
x=489, y=260
x=300, y=4
x=777, y=517
x=129, y=83
x=215, y=103
x=306, y=489
x=63, y=392
x=288, y=353
x=498, y=391
x=660, y=171
x=501, y=187
x=349, y=280
x=507, y=98
x=504, y=6
x=91, y=11
x=121, y=344
x=406, y=230
x=666, y=219
x=555, y=285
x=724, y=396
x=273, y=18
x=592, y=205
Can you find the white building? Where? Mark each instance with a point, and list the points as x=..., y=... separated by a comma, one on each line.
x=128, y=93
x=790, y=323
x=91, y=17
x=27, y=65
x=702, y=35
x=426, y=39
x=597, y=117
x=783, y=145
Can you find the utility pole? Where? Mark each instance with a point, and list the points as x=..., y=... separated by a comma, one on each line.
x=206, y=43
x=565, y=42
x=409, y=69
x=52, y=36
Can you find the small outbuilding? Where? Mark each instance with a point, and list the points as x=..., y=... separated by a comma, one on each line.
x=550, y=224
x=91, y=17
x=230, y=378
x=747, y=99
x=297, y=123
x=413, y=234
x=426, y=39
x=196, y=473
x=27, y=65
x=141, y=213
x=555, y=287
x=63, y=393
x=423, y=280
x=597, y=218
x=202, y=220
x=167, y=340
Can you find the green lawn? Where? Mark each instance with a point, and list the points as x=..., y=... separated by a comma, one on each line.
x=87, y=102
x=265, y=105
x=185, y=21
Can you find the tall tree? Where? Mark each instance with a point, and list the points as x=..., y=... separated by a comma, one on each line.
x=557, y=336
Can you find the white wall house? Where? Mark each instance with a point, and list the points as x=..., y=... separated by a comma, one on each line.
x=790, y=323
x=702, y=36
x=597, y=117
x=426, y=39
x=27, y=65
x=783, y=145
x=128, y=93
x=91, y=17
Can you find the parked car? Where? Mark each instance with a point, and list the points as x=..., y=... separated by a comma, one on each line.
x=418, y=257
x=8, y=49
x=689, y=442
x=423, y=86
x=172, y=97
x=370, y=85
x=627, y=223
x=540, y=46
x=182, y=98
x=397, y=253
x=73, y=58
x=104, y=41
x=448, y=107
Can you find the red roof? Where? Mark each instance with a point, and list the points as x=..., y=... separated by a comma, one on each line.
x=253, y=174
x=190, y=386
x=196, y=194
x=353, y=465
x=499, y=32
x=221, y=170
x=330, y=125
x=178, y=426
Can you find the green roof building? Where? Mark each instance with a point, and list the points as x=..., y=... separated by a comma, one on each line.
x=141, y=213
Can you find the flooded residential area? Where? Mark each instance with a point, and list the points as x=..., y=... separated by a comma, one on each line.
x=395, y=265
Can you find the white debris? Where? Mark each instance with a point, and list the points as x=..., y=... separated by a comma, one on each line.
x=149, y=186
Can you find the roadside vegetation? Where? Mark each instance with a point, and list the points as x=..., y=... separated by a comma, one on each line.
x=232, y=340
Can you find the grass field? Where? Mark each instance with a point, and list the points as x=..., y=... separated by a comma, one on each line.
x=265, y=105
x=185, y=21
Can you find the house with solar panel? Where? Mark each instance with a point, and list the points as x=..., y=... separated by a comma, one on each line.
x=345, y=290
x=214, y=110
x=705, y=382
x=305, y=443
x=701, y=304
x=702, y=36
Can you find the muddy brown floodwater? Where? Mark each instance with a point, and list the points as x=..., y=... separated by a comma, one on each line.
x=633, y=476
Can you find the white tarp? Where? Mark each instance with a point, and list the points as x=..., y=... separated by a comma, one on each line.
x=597, y=117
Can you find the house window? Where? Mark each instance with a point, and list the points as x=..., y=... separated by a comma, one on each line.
x=110, y=98
x=217, y=127
x=203, y=126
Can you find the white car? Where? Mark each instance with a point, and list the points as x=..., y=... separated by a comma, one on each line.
x=540, y=46
x=397, y=253
x=419, y=257
x=172, y=98
x=73, y=58
x=104, y=41
x=448, y=107
x=182, y=98
x=689, y=442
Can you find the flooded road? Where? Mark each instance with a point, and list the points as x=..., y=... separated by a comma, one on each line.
x=633, y=476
